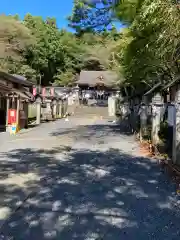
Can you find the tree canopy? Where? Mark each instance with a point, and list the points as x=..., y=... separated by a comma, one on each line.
x=147, y=50
x=36, y=48
x=144, y=52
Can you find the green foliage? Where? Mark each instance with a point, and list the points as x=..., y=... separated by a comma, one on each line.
x=143, y=53
x=15, y=38
x=91, y=16
x=36, y=47
x=148, y=51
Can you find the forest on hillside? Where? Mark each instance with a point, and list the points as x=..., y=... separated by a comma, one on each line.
x=145, y=51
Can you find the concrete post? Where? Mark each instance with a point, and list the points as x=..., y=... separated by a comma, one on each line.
x=135, y=115
x=143, y=118
x=38, y=110
x=17, y=114
x=7, y=109
x=157, y=106
x=176, y=136
x=48, y=111
x=112, y=106
x=171, y=136
x=54, y=108
x=176, y=130
x=118, y=108
x=26, y=113
x=63, y=108
x=60, y=109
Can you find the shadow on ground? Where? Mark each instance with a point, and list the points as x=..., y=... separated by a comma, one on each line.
x=87, y=194
x=96, y=130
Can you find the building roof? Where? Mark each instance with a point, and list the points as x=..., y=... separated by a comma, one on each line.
x=15, y=79
x=19, y=93
x=92, y=78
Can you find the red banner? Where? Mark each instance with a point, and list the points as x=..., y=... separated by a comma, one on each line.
x=11, y=116
x=34, y=91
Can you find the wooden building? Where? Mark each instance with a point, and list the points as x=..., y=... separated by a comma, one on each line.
x=97, y=80
x=15, y=92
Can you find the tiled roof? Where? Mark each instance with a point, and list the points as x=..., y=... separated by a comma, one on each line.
x=109, y=78
x=15, y=78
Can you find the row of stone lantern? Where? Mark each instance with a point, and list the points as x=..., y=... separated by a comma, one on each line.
x=152, y=106
x=49, y=106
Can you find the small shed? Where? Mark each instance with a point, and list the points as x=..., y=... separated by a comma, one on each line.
x=15, y=92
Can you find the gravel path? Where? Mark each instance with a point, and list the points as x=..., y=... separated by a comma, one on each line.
x=86, y=182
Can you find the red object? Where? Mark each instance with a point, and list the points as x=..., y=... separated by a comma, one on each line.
x=34, y=91
x=52, y=91
x=43, y=92
x=12, y=116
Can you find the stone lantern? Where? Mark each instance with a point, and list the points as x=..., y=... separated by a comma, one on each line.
x=76, y=89
x=54, y=108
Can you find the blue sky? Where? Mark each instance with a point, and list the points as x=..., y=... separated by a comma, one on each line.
x=59, y=9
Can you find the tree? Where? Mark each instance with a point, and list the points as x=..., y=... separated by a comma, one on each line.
x=150, y=51
x=56, y=53
x=92, y=15
x=14, y=39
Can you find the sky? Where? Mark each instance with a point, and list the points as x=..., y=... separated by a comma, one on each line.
x=59, y=9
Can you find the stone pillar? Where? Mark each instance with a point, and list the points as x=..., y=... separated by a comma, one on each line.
x=135, y=114
x=66, y=106
x=38, y=110
x=7, y=110
x=118, y=109
x=26, y=113
x=157, y=106
x=77, y=95
x=60, y=108
x=143, y=118
x=176, y=130
x=112, y=106
x=63, y=108
x=17, y=114
x=54, y=108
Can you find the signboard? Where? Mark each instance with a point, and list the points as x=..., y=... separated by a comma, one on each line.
x=11, y=116
x=171, y=115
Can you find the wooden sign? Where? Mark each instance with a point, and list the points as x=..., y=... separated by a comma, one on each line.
x=171, y=115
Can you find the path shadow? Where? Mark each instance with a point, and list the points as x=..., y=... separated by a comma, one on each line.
x=87, y=194
x=88, y=131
